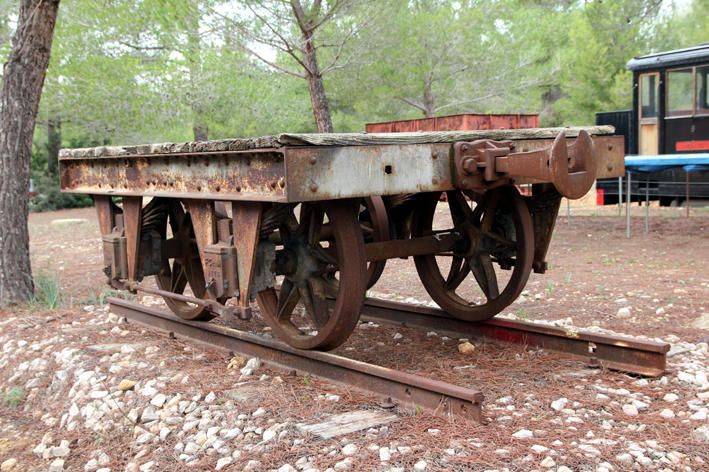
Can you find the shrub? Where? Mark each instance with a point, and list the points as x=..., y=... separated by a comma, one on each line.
x=48, y=196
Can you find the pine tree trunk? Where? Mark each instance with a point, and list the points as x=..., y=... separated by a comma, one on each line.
x=428, y=99
x=316, y=86
x=54, y=142
x=23, y=78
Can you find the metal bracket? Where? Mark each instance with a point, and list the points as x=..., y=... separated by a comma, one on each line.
x=484, y=164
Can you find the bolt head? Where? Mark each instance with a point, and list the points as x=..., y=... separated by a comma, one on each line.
x=470, y=165
x=313, y=187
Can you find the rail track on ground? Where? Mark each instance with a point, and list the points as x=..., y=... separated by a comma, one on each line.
x=401, y=389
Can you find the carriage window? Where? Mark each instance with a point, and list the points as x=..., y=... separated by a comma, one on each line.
x=648, y=96
x=679, y=92
x=702, y=89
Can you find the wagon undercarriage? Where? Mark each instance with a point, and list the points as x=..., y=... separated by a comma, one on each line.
x=305, y=223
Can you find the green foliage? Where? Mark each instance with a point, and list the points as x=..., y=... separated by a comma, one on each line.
x=47, y=291
x=48, y=197
x=13, y=397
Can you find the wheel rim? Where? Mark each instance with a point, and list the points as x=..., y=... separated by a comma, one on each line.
x=315, y=270
x=185, y=269
x=498, y=232
x=374, y=222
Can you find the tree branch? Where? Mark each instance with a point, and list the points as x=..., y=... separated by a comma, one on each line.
x=273, y=64
x=411, y=103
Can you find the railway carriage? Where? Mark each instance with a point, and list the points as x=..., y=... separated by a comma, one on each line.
x=304, y=223
x=670, y=115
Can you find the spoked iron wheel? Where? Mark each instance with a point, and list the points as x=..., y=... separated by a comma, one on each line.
x=498, y=234
x=182, y=267
x=321, y=256
x=374, y=222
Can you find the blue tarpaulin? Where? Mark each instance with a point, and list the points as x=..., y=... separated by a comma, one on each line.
x=658, y=163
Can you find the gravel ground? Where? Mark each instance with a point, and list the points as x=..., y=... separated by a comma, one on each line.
x=81, y=389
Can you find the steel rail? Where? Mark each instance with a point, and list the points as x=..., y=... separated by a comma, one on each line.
x=621, y=353
x=400, y=388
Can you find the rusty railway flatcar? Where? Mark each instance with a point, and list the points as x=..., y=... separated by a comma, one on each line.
x=304, y=223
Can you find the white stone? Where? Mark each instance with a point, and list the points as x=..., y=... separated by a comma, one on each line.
x=667, y=413
x=259, y=412
x=343, y=464
x=420, y=465
x=623, y=312
x=287, y=468
x=625, y=459
x=223, y=462
x=539, y=449
x=59, y=451
x=384, y=454
x=548, y=462
x=147, y=466
x=671, y=397
x=57, y=465
x=398, y=336
x=210, y=397
x=252, y=465
x=8, y=464
x=159, y=400
x=559, y=404
x=350, y=449
x=149, y=415
x=269, y=434
x=523, y=434
x=700, y=415
x=145, y=438
x=589, y=449
x=630, y=410
x=191, y=448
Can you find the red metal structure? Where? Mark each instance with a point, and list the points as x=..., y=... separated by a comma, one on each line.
x=467, y=121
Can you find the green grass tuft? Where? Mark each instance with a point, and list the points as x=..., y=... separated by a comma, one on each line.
x=13, y=397
x=47, y=291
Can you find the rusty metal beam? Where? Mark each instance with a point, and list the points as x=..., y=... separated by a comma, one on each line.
x=405, y=390
x=620, y=353
x=215, y=176
x=393, y=248
x=293, y=174
x=246, y=217
x=133, y=212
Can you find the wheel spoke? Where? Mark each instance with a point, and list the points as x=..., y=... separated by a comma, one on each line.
x=315, y=225
x=314, y=299
x=484, y=274
x=459, y=208
x=287, y=299
x=178, y=278
x=326, y=255
x=457, y=273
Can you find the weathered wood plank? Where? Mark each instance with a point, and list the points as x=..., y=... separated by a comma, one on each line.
x=350, y=422
x=433, y=137
x=332, y=139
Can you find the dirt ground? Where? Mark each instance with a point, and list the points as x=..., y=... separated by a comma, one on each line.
x=543, y=410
